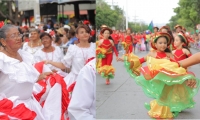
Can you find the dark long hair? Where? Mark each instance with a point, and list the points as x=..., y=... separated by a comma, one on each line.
x=183, y=40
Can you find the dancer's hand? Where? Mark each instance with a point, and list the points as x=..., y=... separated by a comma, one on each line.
x=121, y=59
x=44, y=75
x=54, y=71
x=117, y=59
x=47, y=61
x=191, y=83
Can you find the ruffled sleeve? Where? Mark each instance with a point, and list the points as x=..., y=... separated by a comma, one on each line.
x=67, y=60
x=27, y=57
x=19, y=71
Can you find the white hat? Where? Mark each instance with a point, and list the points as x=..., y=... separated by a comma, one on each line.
x=67, y=26
x=48, y=31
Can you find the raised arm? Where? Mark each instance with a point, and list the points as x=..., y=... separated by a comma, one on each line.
x=194, y=59
x=114, y=48
x=57, y=64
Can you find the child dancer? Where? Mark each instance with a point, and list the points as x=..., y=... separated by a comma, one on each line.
x=181, y=43
x=166, y=29
x=162, y=80
x=98, y=64
x=105, y=52
x=128, y=42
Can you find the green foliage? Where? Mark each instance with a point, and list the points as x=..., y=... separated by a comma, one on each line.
x=187, y=14
x=137, y=27
x=3, y=6
x=7, y=11
x=105, y=15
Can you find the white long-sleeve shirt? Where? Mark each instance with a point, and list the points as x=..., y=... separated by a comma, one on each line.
x=82, y=104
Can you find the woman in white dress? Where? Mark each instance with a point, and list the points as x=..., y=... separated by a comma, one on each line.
x=83, y=106
x=49, y=52
x=35, y=43
x=76, y=56
x=17, y=77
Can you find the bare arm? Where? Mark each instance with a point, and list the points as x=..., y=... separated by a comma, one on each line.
x=173, y=52
x=187, y=52
x=112, y=42
x=57, y=64
x=194, y=59
x=44, y=75
x=100, y=42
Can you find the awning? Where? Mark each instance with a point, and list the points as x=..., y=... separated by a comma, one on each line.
x=82, y=12
x=66, y=1
x=75, y=1
x=48, y=1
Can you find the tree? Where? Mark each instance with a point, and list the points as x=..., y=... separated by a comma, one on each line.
x=187, y=14
x=120, y=25
x=105, y=15
x=137, y=27
x=9, y=10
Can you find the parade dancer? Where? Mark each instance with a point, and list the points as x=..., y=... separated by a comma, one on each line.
x=181, y=43
x=104, y=51
x=177, y=28
x=128, y=42
x=166, y=29
x=49, y=52
x=163, y=80
x=17, y=78
x=54, y=87
x=97, y=42
x=35, y=43
x=153, y=35
x=83, y=102
x=76, y=56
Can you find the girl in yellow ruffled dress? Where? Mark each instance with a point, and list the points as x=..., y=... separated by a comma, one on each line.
x=104, y=52
x=100, y=36
x=163, y=80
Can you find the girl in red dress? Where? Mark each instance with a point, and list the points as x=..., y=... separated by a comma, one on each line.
x=128, y=42
x=181, y=43
x=105, y=52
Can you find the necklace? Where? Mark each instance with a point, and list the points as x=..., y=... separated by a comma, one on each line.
x=83, y=56
x=47, y=58
x=37, y=47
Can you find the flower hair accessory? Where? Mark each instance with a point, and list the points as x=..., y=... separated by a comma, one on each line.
x=1, y=24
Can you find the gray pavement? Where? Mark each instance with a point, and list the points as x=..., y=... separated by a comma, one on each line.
x=124, y=99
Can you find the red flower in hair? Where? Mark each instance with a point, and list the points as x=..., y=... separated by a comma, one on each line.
x=86, y=22
x=52, y=33
x=1, y=24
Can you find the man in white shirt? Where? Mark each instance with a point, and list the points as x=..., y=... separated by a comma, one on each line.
x=82, y=105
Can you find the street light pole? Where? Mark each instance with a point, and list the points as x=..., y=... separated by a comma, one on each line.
x=37, y=12
x=126, y=15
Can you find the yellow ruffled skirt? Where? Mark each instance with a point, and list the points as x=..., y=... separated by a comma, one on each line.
x=107, y=71
x=159, y=112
